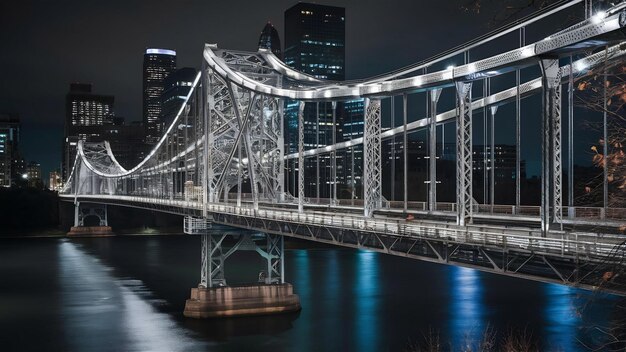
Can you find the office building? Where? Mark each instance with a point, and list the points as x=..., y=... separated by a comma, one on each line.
x=9, y=154
x=54, y=181
x=157, y=65
x=269, y=39
x=315, y=44
x=86, y=112
x=33, y=175
x=177, y=86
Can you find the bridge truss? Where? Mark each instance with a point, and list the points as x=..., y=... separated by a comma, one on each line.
x=223, y=157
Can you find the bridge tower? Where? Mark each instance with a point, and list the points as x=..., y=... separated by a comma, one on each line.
x=213, y=297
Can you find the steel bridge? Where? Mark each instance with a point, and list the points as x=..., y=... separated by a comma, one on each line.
x=222, y=161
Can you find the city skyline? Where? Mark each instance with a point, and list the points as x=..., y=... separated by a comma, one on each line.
x=111, y=58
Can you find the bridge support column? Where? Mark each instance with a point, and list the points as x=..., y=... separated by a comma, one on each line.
x=90, y=220
x=371, y=158
x=464, y=200
x=301, y=157
x=432, y=150
x=213, y=298
x=551, y=186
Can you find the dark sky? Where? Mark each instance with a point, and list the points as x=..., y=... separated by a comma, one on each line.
x=48, y=44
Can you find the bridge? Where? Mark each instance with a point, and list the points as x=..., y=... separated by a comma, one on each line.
x=224, y=165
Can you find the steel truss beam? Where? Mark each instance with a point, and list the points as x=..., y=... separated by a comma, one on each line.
x=215, y=253
x=551, y=186
x=301, y=157
x=464, y=153
x=529, y=263
x=371, y=158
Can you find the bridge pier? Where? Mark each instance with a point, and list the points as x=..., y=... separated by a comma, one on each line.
x=213, y=298
x=90, y=220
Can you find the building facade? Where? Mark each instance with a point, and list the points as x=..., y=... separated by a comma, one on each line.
x=269, y=39
x=315, y=45
x=157, y=65
x=9, y=153
x=86, y=112
x=176, y=88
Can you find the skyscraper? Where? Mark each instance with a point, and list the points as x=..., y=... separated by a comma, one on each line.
x=269, y=40
x=315, y=44
x=176, y=87
x=85, y=113
x=157, y=65
x=315, y=40
x=9, y=138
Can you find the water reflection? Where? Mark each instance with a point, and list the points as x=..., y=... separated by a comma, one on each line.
x=560, y=312
x=466, y=306
x=367, y=300
x=128, y=294
x=96, y=304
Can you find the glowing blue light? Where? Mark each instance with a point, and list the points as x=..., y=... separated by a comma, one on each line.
x=161, y=52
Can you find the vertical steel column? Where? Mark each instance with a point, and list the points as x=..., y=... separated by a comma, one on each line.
x=605, y=149
x=464, y=153
x=405, y=154
x=334, y=155
x=204, y=266
x=570, y=140
x=485, y=143
x=301, y=157
x=205, y=134
x=239, y=173
x=371, y=157
x=317, y=145
x=551, y=145
x=280, y=144
x=432, y=150
x=518, y=129
x=492, y=156
x=393, y=151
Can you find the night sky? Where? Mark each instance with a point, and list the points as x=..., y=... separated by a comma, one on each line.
x=48, y=44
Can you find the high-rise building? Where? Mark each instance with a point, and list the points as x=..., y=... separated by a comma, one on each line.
x=269, y=40
x=315, y=44
x=315, y=40
x=157, y=65
x=33, y=175
x=54, y=181
x=9, y=139
x=85, y=113
x=176, y=88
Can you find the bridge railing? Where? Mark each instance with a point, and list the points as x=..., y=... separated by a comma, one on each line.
x=558, y=242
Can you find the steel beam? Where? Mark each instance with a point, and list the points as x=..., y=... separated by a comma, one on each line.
x=371, y=158
x=405, y=151
x=301, y=157
x=432, y=150
x=464, y=154
x=551, y=197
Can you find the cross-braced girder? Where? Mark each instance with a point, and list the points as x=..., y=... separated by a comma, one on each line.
x=372, y=187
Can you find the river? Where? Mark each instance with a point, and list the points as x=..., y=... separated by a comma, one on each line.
x=127, y=293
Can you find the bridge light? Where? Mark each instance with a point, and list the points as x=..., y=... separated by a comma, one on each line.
x=451, y=67
x=417, y=81
x=527, y=51
x=580, y=66
x=598, y=17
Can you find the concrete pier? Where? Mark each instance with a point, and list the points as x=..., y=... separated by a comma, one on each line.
x=90, y=231
x=217, y=302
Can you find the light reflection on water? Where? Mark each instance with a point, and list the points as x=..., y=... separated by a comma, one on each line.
x=367, y=301
x=562, y=314
x=467, y=312
x=127, y=294
x=97, y=304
